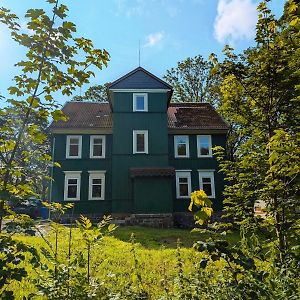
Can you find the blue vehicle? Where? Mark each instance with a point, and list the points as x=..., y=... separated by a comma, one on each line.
x=30, y=207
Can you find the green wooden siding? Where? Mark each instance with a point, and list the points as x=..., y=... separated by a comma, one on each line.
x=125, y=121
x=195, y=163
x=84, y=164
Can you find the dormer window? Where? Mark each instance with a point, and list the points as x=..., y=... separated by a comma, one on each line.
x=140, y=102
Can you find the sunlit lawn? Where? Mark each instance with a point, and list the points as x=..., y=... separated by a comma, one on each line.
x=112, y=259
x=152, y=238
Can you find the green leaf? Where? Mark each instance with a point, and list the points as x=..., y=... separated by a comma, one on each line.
x=295, y=21
x=58, y=115
x=56, y=164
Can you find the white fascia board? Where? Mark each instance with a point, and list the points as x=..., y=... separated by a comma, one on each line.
x=141, y=90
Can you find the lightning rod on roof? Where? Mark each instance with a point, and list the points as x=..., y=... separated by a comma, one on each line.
x=139, y=52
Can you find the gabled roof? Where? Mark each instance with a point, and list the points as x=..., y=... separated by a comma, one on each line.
x=139, y=78
x=85, y=115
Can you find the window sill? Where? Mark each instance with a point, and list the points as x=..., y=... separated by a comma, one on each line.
x=70, y=200
x=141, y=153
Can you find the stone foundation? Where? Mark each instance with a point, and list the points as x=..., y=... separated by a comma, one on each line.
x=147, y=220
x=152, y=220
x=163, y=220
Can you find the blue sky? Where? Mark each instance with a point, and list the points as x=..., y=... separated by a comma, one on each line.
x=169, y=31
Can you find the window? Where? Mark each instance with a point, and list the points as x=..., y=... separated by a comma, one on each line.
x=183, y=184
x=181, y=146
x=207, y=182
x=204, y=146
x=140, y=102
x=140, y=141
x=72, y=185
x=97, y=146
x=73, y=146
x=96, y=185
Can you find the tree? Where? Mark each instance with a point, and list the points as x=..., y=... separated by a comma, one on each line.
x=56, y=61
x=260, y=94
x=193, y=81
x=51, y=66
x=37, y=169
x=95, y=93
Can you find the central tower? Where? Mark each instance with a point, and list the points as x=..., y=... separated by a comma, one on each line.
x=142, y=180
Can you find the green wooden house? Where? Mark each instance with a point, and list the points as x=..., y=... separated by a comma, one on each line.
x=139, y=154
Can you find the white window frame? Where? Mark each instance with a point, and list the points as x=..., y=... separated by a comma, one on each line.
x=176, y=146
x=145, y=95
x=97, y=175
x=72, y=175
x=211, y=174
x=198, y=145
x=183, y=174
x=134, y=141
x=92, y=139
x=69, y=137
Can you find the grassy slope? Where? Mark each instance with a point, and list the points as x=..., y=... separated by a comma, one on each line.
x=152, y=238
x=113, y=262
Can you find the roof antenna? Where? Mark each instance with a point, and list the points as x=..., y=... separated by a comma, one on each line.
x=139, y=52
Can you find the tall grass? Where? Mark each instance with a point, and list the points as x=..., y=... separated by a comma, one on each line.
x=117, y=262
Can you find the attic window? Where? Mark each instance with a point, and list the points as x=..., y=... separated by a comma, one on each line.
x=140, y=102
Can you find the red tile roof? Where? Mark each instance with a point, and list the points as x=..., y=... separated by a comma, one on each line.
x=85, y=115
x=180, y=116
x=194, y=116
x=152, y=172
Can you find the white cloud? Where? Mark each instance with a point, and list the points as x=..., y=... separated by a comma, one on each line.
x=129, y=9
x=235, y=20
x=132, y=8
x=154, y=39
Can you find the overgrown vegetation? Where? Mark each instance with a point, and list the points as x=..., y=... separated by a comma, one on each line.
x=56, y=61
x=259, y=97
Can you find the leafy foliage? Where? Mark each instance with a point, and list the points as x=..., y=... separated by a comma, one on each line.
x=193, y=80
x=95, y=93
x=12, y=256
x=52, y=64
x=260, y=95
x=201, y=201
x=71, y=280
